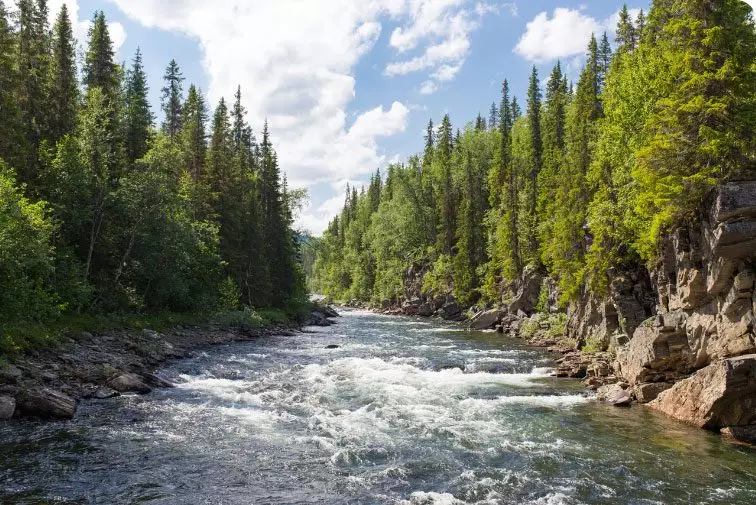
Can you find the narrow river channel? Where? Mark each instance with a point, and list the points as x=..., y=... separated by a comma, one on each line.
x=403, y=411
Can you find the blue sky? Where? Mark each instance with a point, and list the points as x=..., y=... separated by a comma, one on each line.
x=349, y=85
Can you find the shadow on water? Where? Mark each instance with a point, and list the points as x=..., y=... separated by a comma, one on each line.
x=402, y=411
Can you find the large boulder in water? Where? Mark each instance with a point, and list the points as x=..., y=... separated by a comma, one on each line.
x=7, y=407
x=486, y=319
x=129, y=383
x=46, y=403
x=722, y=394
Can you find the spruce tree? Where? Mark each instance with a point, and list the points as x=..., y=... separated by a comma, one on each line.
x=139, y=118
x=63, y=87
x=605, y=58
x=626, y=35
x=33, y=63
x=493, y=117
x=99, y=67
x=193, y=132
x=171, y=99
x=640, y=26
x=446, y=188
x=536, y=147
x=11, y=132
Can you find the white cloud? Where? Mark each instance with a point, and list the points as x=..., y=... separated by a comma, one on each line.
x=428, y=88
x=294, y=60
x=445, y=26
x=81, y=26
x=565, y=33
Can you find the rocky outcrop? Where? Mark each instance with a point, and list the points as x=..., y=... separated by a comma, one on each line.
x=606, y=323
x=524, y=291
x=702, y=339
x=720, y=395
x=7, y=407
x=46, y=403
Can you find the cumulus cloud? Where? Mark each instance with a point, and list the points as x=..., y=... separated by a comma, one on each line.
x=445, y=25
x=294, y=60
x=566, y=33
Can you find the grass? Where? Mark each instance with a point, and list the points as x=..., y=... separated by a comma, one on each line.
x=20, y=337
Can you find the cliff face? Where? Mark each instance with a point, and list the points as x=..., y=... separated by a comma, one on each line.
x=703, y=286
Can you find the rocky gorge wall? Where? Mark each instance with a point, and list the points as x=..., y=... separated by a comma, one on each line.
x=677, y=334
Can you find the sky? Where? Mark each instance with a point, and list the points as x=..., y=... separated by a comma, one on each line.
x=348, y=86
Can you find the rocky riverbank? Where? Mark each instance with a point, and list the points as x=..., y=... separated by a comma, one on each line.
x=49, y=383
x=677, y=334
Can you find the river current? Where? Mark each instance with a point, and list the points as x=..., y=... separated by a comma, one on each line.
x=404, y=411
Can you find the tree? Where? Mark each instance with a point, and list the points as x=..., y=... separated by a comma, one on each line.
x=63, y=86
x=26, y=256
x=139, y=118
x=493, y=117
x=536, y=155
x=171, y=100
x=193, y=134
x=11, y=130
x=626, y=36
x=446, y=188
x=33, y=63
x=99, y=68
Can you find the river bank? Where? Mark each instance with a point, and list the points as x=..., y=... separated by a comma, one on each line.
x=720, y=397
x=49, y=382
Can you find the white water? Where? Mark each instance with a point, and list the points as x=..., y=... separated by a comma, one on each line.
x=403, y=412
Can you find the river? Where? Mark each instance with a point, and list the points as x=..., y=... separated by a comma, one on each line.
x=404, y=411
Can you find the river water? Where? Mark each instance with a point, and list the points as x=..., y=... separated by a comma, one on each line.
x=404, y=411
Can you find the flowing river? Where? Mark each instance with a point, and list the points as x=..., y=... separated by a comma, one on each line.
x=404, y=411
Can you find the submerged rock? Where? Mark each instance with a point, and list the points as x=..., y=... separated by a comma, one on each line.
x=615, y=394
x=129, y=383
x=46, y=403
x=720, y=395
x=156, y=381
x=745, y=434
x=7, y=407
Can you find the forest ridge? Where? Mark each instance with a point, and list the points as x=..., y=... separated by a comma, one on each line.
x=102, y=212
x=581, y=183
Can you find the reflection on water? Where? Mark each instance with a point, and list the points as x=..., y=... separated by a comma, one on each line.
x=404, y=411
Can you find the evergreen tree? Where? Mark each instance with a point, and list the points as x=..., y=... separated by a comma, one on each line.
x=604, y=59
x=139, y=118
x=640, y=26
x=626, y=35
x=33, y=63
x=171, y=99
x=446, y=187
x=536, y=161
x=193, y=133
x=11, y=131
x=63, y=86
x=99, y=68
x=493, y=117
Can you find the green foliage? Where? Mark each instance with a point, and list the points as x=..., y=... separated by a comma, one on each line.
x=586, y=182
x=26, y=255
x=110, y=218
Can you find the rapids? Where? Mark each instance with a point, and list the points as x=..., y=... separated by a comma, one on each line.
x=404, y=411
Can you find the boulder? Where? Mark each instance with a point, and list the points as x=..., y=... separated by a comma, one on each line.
x=745, y=434
x=614, y=394
x=648, y=391
x=156, y=381
x=425, y=310
x=129, y=383
x=46, y=403
x=7, y=407
x=451, y=311
x=658, y=350
x=332, y=346
x=720, y=395
x=105, y=393
x=486, y=319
